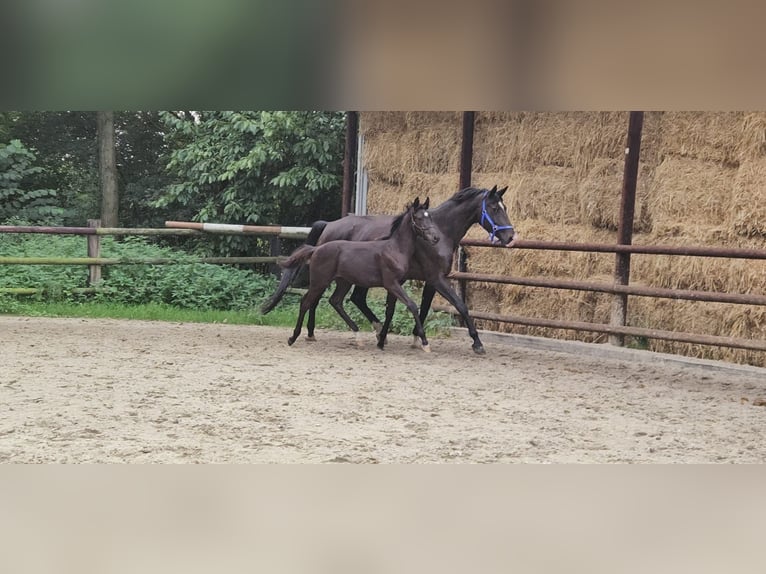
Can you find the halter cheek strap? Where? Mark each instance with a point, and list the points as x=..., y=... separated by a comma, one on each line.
x=486, y=217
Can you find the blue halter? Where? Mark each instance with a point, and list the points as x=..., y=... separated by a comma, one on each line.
x=486, y=217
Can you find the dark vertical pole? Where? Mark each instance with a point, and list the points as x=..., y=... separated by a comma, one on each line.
x=466, y=150
x=466, y=168
x=625, y=228
x=349, y=160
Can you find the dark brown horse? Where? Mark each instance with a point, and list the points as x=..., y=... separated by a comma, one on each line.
x=453, y=218
x=381, y=263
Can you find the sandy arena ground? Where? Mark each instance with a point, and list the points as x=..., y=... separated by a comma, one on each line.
x=74, y=390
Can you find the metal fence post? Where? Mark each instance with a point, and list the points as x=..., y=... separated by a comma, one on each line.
x=625, y=228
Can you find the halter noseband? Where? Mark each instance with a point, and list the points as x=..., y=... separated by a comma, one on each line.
x=486, y=217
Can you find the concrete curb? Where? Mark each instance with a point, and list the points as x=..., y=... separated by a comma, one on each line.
x=606, y=351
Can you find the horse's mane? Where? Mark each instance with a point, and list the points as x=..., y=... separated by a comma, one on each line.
x=465, y=194
x=397, y=222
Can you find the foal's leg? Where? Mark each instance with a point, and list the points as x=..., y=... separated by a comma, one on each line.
x=445, y=290
x=308, y=301
x=342, y=287
x=390, y=307
x=359, y=298
x=312, y=322
x=425, y=306
x=398, y=291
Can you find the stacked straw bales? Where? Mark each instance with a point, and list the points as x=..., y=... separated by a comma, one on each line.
x=702, y=181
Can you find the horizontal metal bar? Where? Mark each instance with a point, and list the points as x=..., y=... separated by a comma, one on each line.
x=127, y=261
x=696, y=251
x=686, y=294
x=697, y=339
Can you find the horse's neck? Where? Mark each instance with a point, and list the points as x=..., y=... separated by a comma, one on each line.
x=455, y=219
x=404, y=238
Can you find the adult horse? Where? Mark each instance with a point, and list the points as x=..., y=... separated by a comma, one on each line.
x=381, y=263
x=453, y=218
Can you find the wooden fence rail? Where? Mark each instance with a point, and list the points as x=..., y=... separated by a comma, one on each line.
x=464, y=277
x=174, y=228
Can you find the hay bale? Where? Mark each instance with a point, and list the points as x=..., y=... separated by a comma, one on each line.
x=690, y=191
x=428, y=120
x=374, y=123
x=708, y=136
x=748, y=199
x=547, y=193
x=527, y=140
x=752, y=144
x=392, y=155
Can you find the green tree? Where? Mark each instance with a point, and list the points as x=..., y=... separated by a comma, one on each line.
x=267, y=167
x=65, y=146
x=18, y=197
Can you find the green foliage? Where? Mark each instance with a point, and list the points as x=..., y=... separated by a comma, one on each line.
x=268, y=167
x=65, y=146
x=184, y=285
x=17, y=198
x=52, y=278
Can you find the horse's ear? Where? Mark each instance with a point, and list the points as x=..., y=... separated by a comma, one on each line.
x=416, y=203
x=426, y=203
x=502, y=191
x=493, y=190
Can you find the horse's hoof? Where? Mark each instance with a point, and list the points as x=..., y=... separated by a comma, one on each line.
x=479, y=350
x=290, y=340
x=311, y=338
x=426, y=348
x=381, y=346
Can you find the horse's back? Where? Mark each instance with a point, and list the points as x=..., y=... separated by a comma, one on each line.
x=357, y=228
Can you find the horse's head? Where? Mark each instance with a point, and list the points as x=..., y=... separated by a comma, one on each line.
x=494, y=217
x=422, y=223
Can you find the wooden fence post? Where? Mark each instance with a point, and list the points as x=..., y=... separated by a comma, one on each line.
x=94, y=250
x=275, y=250
x=625, y=228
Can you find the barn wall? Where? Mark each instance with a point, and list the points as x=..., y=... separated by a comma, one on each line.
x=702, y=181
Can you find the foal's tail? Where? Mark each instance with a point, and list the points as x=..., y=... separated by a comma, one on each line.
x=293, y=265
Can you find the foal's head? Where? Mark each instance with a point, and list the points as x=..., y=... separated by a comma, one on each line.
x=422, y=224
x=494, y=217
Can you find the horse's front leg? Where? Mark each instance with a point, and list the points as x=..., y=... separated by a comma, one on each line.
x=445, y=290
x=398, y=291
x=425, y=306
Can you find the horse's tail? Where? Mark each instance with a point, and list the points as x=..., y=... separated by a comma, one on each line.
x=293, y=264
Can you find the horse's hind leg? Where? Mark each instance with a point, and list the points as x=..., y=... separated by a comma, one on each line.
x=308, y=301
x=359, y=298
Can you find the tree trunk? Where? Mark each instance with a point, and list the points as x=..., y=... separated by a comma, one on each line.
x=107, y=164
